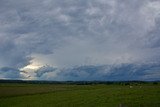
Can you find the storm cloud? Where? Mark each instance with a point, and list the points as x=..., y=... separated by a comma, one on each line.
x=70, y=34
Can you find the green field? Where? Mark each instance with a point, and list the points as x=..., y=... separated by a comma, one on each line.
x=45, y=95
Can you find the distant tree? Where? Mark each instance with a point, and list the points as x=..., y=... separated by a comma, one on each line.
x=155, y=83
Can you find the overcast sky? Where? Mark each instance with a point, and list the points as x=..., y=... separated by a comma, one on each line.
x=78, y=39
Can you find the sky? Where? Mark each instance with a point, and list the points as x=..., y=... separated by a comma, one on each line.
x=80, y=40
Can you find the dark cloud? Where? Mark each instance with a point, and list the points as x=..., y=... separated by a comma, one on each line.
x=72, y=33
x=121, y=72
x=45, y=69
x=9, y=73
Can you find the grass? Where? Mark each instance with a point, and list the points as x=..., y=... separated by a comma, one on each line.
x=34, y=95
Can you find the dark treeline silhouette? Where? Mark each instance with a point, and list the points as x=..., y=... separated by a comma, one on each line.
x=80, y=82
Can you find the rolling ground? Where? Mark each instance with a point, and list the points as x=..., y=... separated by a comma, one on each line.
x=63, y=95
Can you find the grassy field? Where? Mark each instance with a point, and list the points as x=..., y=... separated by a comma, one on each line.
x=43, y=95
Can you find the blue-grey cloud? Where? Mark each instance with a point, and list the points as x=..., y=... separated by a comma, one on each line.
x=70, y=33
x=121, y=72
x=9, y=73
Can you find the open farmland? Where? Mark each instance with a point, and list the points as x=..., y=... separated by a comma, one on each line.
x=63, y=95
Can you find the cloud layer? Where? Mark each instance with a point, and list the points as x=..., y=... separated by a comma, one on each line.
x=70, y=34
x=104, y=73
